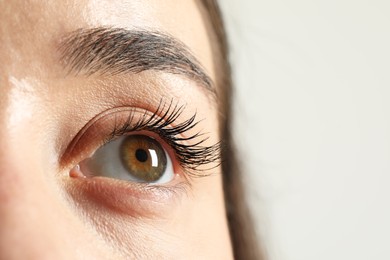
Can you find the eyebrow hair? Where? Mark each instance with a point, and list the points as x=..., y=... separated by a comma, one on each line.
x=117, y=50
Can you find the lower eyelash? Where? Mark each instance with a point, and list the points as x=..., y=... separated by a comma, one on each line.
x=194, y=157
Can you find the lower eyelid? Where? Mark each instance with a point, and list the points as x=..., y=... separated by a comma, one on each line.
x=132, y=199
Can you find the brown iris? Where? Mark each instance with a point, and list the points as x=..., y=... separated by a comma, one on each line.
x=143, y=157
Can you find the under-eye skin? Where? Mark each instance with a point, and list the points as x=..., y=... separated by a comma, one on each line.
x=139, y=146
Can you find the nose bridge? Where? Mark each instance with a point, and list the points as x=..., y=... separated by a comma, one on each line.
x=33, y=214
x=30, y=205
x=26, y=208
x=36, y=221
x=21, y=179
x=20, y=192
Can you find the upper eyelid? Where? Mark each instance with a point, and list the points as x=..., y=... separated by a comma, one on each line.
x=192, y=155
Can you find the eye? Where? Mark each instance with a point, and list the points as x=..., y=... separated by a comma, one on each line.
x=136, y=158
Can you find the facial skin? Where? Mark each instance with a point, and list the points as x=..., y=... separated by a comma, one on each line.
x=55, y=115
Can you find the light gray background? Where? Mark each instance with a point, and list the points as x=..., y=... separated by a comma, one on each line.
x=313, y=123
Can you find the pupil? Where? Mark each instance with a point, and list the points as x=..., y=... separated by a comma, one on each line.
x=141, y=155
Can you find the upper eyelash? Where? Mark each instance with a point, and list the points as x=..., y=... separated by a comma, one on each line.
x=190, y=156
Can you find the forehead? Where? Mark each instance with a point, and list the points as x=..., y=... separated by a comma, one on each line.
x=30, y=29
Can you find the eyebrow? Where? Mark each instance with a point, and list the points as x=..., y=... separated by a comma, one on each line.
x=111, y=51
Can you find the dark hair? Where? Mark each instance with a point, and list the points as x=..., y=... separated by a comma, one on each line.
x=241, y=226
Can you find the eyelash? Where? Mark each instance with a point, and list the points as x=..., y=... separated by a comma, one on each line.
x=192, y=157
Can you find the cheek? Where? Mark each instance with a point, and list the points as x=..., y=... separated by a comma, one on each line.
x=205, y=225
